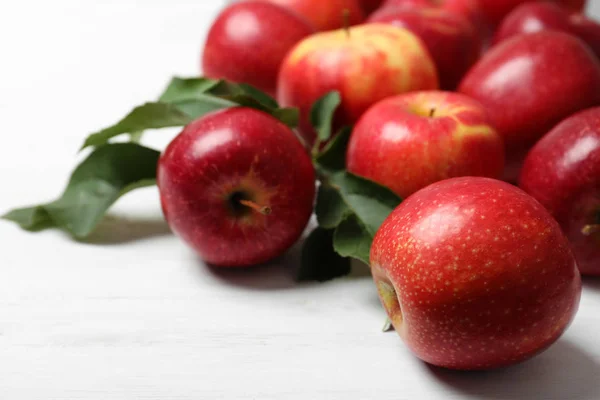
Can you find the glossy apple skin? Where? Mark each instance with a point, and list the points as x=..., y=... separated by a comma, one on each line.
x=366, y=64
x=240, y=45
x=451, y=39
x=238, y=150
x=496, y=10
x=535, y=17
x=398, y=145
x=475, y=274
x=562, y=172
x=325, y=15
x=469, y=9
x=531, y=82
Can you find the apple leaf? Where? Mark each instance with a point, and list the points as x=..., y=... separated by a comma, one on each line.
x=108, y=173
x=333, y=157
x=330, y=208
x=186, y=99
x=319, y=260
x=322, y=112
x=352, y=239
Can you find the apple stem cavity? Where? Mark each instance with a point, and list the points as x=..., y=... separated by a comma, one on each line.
x=591, y=229
x=256, y=207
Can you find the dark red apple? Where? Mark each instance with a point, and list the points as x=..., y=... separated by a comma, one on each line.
x=409, y=141
x=535, y=17
x=470, y=9
x=237, y=186
x=475, y=274
x=562, y=172
x=240, y=45
x=496, y=10
x=452, y=40
x=325, y=15
x=531, y=82
x=369, y=6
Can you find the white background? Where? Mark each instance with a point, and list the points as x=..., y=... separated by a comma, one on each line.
x=134, y=314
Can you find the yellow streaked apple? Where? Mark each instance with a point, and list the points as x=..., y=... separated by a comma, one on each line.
x=366, y=64
x=410, y=141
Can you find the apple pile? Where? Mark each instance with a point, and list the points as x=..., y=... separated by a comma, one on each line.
x=452, y=145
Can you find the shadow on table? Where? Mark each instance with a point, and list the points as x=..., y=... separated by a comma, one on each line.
x=278, y=274
x=562, y=372
x=115, y=230
x=591, y=283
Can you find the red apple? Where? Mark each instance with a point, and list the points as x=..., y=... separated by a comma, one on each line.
x=365, y=64
x=531, y=82
x=496, y=10
x=240, y=45
x=369, y=6
x=562, y=172
x=451, y=39
x=410, y=141
x=325, y=15
x=469, y=9
x=228, y=190
x=535, y=17
x=475, y=274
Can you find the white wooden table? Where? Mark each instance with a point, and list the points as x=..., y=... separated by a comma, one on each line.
x=134, y=314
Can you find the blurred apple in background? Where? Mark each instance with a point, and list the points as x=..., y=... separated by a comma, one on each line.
x=409, y=141
x=240, y=45
x=475, y=274
x=369, y=6
x=451, y=39
x=562, y=172
x=531, y=82
x=365, y=64
x=496, y=10
x=325, y=15
x=535, y=17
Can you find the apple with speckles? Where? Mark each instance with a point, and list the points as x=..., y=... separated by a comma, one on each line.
x=325, y=15
x=451, y=39
x=562, y=172
x=365, y=64
x=535, y=17
x=409, y=141
x=475, y=274
x=530, y=83
x=227, y=190
x=240, y=45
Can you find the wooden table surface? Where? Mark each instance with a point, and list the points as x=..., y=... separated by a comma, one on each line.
x=133, y=314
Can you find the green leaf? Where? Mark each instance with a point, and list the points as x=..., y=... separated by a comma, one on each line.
x=187, y=88
x=289, y=116
x=352, y=239
x=333, y=156
x=369, y=201
x=147, y=116
x=331, y=208
x=322, y=112
x=106, y=174
x=319, y=261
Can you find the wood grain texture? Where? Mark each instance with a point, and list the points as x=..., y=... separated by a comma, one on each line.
x=133, y=314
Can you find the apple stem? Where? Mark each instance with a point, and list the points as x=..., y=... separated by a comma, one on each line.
x=346, y=21
x=260, y=209
x=432, y=113
x=589, y=230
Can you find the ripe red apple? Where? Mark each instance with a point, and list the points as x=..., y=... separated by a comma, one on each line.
x=237, y=186
x=535, y=17
x=451, y=39
x=410, y=141
x=475, y=274
x=240, y=45
x=325, y=15
x=562, y=172
x=496, y=10
x=469, y=9
x=365, y=64
x=369, y=6
x=531, y=82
